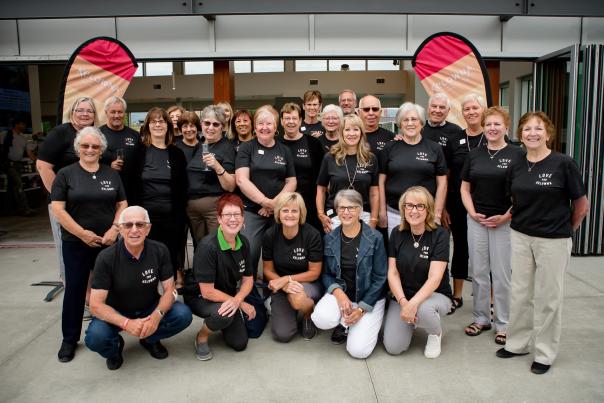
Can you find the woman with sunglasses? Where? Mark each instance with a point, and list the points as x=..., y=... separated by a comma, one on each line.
x=210, y=173
x=162, y=188
x=348, y=165
x=241, y=129
x=354, y=275
x=417, y=275
x=87, y=198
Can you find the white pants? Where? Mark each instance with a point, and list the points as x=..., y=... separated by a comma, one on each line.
x=362, y=336
x=394, y=219
x=56, y=237
x=335, y=221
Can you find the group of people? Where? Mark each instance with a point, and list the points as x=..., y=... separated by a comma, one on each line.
x=351, y=222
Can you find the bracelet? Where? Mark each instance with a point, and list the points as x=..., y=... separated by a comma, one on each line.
x=222, y=173
x=361, y=309
x=372, y=219
x=125, y=323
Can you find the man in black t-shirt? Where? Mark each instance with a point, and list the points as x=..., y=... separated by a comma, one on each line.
x=437, y=128
x=125, y=297
x=370, y=112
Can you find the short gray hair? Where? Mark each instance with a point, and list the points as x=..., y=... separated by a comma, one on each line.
x=89, y=131
x=440, y=95
x=334, y=108
x=348, y=194
x=354, y=95
x=472, y=96
x=407, y=107
x=216, y=112
x=120, y=220
x=114, y=100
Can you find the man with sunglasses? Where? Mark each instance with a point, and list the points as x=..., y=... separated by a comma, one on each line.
x=125, y=296
x=370, y=111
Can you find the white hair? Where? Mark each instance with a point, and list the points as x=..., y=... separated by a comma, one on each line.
x=114, y=100
x=134, y=209
x=442, y=96
x=334, y=108
x=89, y=131
x=473, y=97
x=407, y=107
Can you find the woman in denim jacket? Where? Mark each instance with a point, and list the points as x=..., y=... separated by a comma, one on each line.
x=354, y=275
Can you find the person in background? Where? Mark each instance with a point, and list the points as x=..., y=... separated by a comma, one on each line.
x=348, y=101
x=354, y=275
x=292, y=255
x=370, y=111
x=313, y=102
x=87, y=198
x=241, y=128
x=548, y=205
x=417, y=275
x=174, y=112
x=228, y=114
x=332, y=120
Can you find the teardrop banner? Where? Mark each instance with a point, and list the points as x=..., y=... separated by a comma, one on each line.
x=447, y=62
x=99, y=68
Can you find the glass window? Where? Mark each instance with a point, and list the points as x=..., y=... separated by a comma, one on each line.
x=346, y=65
x=269, y=66
x=504, y=96
x=243, y=66
x=158, y=69
x=199, y=68
x=526, y=94
x=136, y=120
x=139, y=71
x=311, y=65
x=383, y=65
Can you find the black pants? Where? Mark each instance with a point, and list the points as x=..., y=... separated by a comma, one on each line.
x=459, y=230
x=170, y=231
x=233, y=328
x=79, y=261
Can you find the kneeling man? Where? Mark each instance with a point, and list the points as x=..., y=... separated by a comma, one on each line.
x=125, y=293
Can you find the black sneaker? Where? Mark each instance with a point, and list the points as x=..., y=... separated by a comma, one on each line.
x=116, y=362
x=339, y=335
x=157, y=350
x=538, y=368
x=67, y=351
x=309, y=330
x=503, y=353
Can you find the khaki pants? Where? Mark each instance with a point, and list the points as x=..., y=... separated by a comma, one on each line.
x=202, y=216
x=538, y=268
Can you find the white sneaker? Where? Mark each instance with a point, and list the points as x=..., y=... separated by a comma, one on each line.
x=433, y=346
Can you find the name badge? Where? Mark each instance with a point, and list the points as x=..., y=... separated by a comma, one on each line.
x=329, y=212
x=303, y=128
x=261, y=152
x=462, y=141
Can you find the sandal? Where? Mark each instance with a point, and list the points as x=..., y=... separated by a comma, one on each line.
x=500, y=338
x=457, y=303
x=475, y=329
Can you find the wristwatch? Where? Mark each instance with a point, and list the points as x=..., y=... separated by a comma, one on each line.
x=161, y=314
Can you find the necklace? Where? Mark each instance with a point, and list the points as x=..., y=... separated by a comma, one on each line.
x=416, y=243
x=493, y=155
x=94, y=174
x=529, y=166
x=345, y=237
x=479, y=141
x=350, y=181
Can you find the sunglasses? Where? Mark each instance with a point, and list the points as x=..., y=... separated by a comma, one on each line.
x=207, y=123
x=137, y=224
x=93, y=146
x=371, y=108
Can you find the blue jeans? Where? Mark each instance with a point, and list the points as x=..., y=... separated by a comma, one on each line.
x=102, y=337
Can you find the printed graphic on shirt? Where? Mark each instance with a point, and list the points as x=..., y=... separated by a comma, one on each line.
x=107, y=186
x=298, y=254
x=302, y=153
x=544, y=179
x=425, y=252
x=504, y=163
x=149, y=275
x=422, y=156
x=241, y=265
x=279, y=160
x=129, y=141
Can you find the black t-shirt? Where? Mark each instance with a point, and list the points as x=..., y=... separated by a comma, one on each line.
x=378, y=139
x=407, y=165
x=440, y=134
x=307, y=155
x=542, y=197
x=89, y=198
x=487, y=178
x=291, y=256
x=186, y=149
x=127, y=139
x=269, y=167
x=132, y=283
x=156, y=181
x=312, y=129
x=413, y=264
x=335, y=178
x=223, y=268
x=206, y=183
x=349, y=253
x=456, y=152
x=57, y=148
x=326, y=143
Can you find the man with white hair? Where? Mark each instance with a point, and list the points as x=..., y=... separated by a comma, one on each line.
x=348, y=102
x=437, y=128
x=125, y=297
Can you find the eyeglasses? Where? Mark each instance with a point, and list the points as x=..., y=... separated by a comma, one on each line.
x=371, y=108
x=80, y=110
x=137, y=224
x=87, y=146
x=157, y=122
x=228, y=216
x=350, y=209
x=207, y=123
x=418, y=207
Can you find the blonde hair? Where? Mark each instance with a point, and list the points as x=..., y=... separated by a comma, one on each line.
x=287, y=198
x=364, y=153
x=421, y=193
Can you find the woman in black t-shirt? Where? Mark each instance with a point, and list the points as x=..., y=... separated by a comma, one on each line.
x=87, y=198
x=264, y=169
x=190, y=127
x=348, y=165
x=484, y=197
x=222, y=273
x=417, y=275
x=162, y=188
x=292, y=255
x=548, y=205
x=331, y=119
x=241, y=129
x=413, y=161
x=210, y=174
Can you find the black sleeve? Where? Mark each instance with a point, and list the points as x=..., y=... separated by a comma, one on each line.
x=228, y=159
x=393, y=242
x=441, y=163
x=121, y=191
x=52, y=148
x=375, y=177
x=244, y=155
x=316, y=155
x=323, y=178
x=313, y=244
x=383, y=158
x=465, y=171
x=204, y=262
x=574, y=182
x=58, y=191
x=249, y=271
x=289, y=159
x=165, y=263
x=101, y=275
x=440, y=246
x=267, y=243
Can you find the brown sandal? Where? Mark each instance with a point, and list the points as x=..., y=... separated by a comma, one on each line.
x=500, y=338
x=475, y=329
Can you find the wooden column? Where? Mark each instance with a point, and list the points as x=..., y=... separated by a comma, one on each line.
x=493, y=70
x=224, y=81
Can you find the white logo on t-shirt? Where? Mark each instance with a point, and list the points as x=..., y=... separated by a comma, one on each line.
x=106, y=186
x=148, y=276
x=302, y=153
x=241, y=265
x=298, y=254
x=504, y=163
x=129, y=141
x=380, y=145
x=421, y=156
x=279, y=160
x=544, y=179
x=424, y=253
